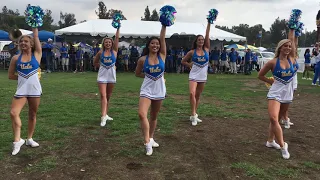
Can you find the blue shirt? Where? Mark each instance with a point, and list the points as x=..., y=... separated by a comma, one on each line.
x=233, y=56
x=307, y=58
x=255, y=58
x=79, y=54
x=248, y=56
x=223, y=56
x=64, y=52
x=215, y=55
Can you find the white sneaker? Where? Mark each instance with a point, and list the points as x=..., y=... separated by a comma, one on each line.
x=309, y=79
x=154, y=144
x=284, y=151
x=287, y=123
x=273, y=144
x=304, y=78
x=198, y=120
x=193, y=120
x=313, y=84
x=32, y=143
x=103, y=121
x=109, y=118
x=149, y=149
x=17, y=146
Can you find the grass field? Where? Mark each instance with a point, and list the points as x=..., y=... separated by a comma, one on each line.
x=229, y=144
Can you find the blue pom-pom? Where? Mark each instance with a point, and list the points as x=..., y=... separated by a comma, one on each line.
x=213, y=13
x=117, y=17
x=34, y=16
x=298, y=31
x=294, y=19
x=167, y=15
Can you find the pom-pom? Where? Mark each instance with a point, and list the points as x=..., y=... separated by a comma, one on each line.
x=294, y=19
x=213, y=13
x=116, y=20
x=267, y=84
x=299, y=30
x=167, y=17
x=34, y=15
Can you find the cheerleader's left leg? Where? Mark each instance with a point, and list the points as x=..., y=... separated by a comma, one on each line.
x=33, y=103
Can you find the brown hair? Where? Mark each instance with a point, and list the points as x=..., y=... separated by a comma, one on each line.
x=194, y=45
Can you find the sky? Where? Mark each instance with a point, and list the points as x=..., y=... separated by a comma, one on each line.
x=231, y=12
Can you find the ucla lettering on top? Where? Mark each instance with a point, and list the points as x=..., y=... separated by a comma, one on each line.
x=26, y=66
x=286, y=74
x=107, y=60
x=201, y=59
x=154, y=70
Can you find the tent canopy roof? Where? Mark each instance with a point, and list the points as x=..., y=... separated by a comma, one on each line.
x=143, y=29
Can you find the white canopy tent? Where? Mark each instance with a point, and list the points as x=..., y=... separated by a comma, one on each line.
x=143, y=29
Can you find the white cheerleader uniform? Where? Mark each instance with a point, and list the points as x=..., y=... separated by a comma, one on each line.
x=153, y=86
x=199, y=70
x=107, y=71
x=282, y=88
x=28, y=79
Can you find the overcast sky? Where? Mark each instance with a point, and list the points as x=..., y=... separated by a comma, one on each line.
x=231, y=12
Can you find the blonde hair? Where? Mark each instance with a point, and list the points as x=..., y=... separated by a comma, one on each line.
x=31, y=42
x=280, y=44
x=103, y=40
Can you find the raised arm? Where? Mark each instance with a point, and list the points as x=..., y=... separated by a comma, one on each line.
x=163, y=50
x=138, y=71
x=186, y=58
x=12, y=67
x=291, y=37
x=116, y=40
x=207, y=39
x=37, y=44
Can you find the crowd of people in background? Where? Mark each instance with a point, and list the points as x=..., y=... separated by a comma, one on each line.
x=69, y=58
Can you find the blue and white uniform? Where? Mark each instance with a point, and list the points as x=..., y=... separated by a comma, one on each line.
x=295, y=78
x=282, y=88
x=28, y=79
x=153, y=86
x=199, y=70
x=107, y=71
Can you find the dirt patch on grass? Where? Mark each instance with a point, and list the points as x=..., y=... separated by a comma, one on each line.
x=215, y=149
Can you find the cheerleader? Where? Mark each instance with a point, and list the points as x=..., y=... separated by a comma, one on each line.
x=199, y=56
x=281, y=92
x=151, y=67
x=29, y=88
x=106, y=60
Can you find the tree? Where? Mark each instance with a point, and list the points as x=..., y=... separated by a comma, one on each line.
x=112, y=12
x=66, y=20
x=278, y=30
x=147, y=16
x=102, y=11
x=154, y=16
x=47, y=20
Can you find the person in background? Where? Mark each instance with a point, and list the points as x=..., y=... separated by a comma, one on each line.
x=65, y=58
x=86, y=62
x=215, y=58
x=247, y=62
x=96, y=49
x=72, y=56
x=255, y=62
x=233, y=57
x=49, y=55
x=224, y=64
x=180, y=66
x=79, y=60
x=307, y=63
x=317, y=66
